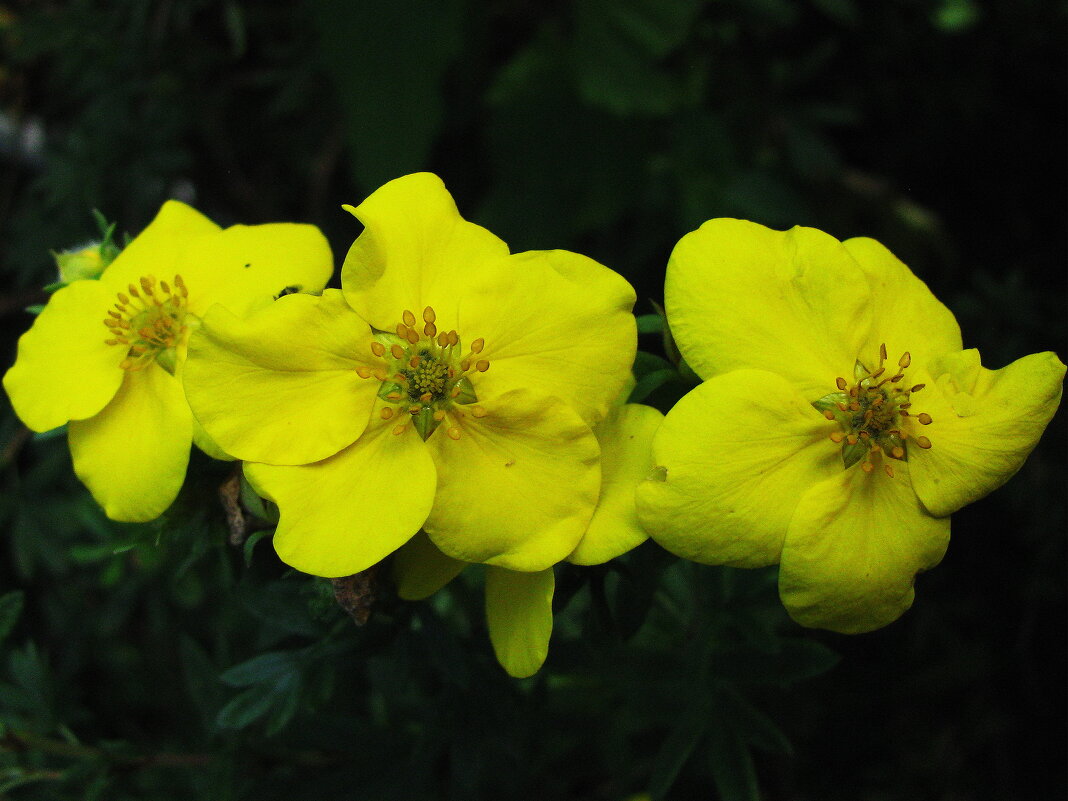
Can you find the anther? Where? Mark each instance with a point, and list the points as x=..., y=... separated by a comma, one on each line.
x=889, y=470
x=414, y=362
x=399, y=429
x=380, y=374
x=454, y=338
x=482, y=365
x=165, y=287
x=413, y=336
x=867, y=467
x=477, y=345
x=430, y=330
x=837, y=436
x=402, y=330
x=378, y=349
x=924, y=418
x=923, y=442
x=854, y=407
x=415, y=409
x=397, y=351
x=363, y=371
x=428, y=315
x=465, y=365
x=133, y=291
x=454, y=433
x=852, y=439
x=882, y=353
x=905, y=360
x=829, y=414
x=409, y=318
x=146, y=284
x=439, y=415
x=387, y=412
x=897, y=378
x=426, y=397
x=124, y=299
x=879, y=372
x=443, y=339
x=917, y=388
x=897, y=452
x=840, y=383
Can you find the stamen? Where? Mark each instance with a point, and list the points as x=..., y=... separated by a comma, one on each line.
x=477, y=345
x=923, y=442
x=905, y=360
x=829, y=414
x=454, y=433
x=363, y=371
x=917, y=388
x=443, y=339
x=882, y=353
x=428, y=315
x=837, y=436
x=439, y=415
x=414, y=362
x=387, y=412
x=399, y=429
x=397, y=351
x=413, y=337
x=478, y=411
x=402, y=330
x=841, y=383
x=897, y=452
x=889, y=470
x=454, y=338
x=867, y=467
x=430, y=330
x=409, y=318
x=378, y=349
x=482, y=365
x=924, y=418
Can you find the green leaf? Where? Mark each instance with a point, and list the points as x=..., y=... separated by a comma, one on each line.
x=651, y=382
x=10, y=610
x=754, y=726
x=387, y=59
x=270, y=667
x=732, y=764
x=650, y=323
x=250, y=543
x=796, y=659
x=245, y=708
x=675, y=751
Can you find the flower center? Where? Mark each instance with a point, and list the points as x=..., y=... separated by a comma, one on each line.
x=424, y=375
x=873, y=412
x=149, y=322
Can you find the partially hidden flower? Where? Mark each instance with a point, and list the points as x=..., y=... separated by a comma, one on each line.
x=839, y=424
x=519, y=613
x=103, y=355
x=449, y=386
x=85, y=262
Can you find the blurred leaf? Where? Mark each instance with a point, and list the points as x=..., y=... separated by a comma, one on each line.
x=676, y=750
x=650, y=382
x=10, y=610
x=754, y=727
x=844, y=12
x=387, y=59
x=245, y=708
x=731, y=763
x=650, y=323
x=796, y=659
x=269, y=667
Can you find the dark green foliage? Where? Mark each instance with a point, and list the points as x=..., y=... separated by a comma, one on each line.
x=161, y=662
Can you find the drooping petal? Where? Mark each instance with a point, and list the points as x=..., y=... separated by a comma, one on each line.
x=519, y=486
x=984, y=425
x=626, y=438
x=133, y=454
x=576, y=341
x=420, y=569
x=519, y=611
x=795, y=303
x=853, y=549
x=735, y=456
x=343, y=514
x=157, y=249
x=907, y=316
x=64, y=369
x=414, y=251
x=281, y=386
x=246, y=266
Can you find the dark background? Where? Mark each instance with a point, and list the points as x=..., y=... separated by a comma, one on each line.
x=607, y=127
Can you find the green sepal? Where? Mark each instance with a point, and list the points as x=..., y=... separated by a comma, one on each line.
x=851, y=454
x=466, y=393
x=860, y=372
x=829, y=403
x=388, y=388
x=424, y=422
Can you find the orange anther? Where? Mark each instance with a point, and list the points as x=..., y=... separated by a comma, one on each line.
x=397, y=351
x=482, y=365
x=897, y=452
x=924, y=418
x=454, y=433
x=867, y=467
x=426, y=397
x=430, y=330
x=477, y=345
x=443, y=339
x=478, y=411
x=413, y=336
x=387, y=412
x=882, y=353
x=414, y=362
x=837, y=436
x=840, y=383
x=454, y=338
x=409, y=318
x=399, y=429
x=439, y=415
x=917, y=388
x=923, y=442
x=905, y=360
x=889, y=470
x=428, y=315
x=829, y=414
x=378, y=349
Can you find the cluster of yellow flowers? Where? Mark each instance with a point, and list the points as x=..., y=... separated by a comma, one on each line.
x=454, y=403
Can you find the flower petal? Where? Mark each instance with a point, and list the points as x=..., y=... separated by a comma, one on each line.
x=414, y=251
x=133, y=454
x=854, y=548
x=519, y=611
x=518, y=488
x=984, y=425
x=576, y=342
x=156, y=250
x=736, y=455
x=740, y=295
x=343, y=514
x=626, y=438
x=246, y=266
x=281, y=386
x=420, y=569
x=64, y=370
x=907, y=316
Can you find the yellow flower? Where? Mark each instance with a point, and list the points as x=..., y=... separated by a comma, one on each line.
x=102, y=355
x=519, y=605
x=450, y=386
x=839, y=424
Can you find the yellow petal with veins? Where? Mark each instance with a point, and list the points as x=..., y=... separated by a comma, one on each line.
x=519, y=612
